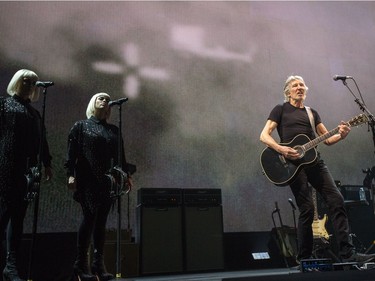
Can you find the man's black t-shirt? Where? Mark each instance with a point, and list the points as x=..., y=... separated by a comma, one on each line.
x=292, y=121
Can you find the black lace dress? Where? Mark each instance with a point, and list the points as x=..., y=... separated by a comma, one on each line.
x=20, y=132
x=92, y=150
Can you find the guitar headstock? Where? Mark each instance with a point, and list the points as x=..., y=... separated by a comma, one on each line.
x=358, y=120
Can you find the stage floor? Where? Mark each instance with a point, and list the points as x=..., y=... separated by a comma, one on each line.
x=278, y=274
x=216, y=276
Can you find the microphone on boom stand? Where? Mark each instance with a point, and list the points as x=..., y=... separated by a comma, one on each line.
x=361, y=103
x=121, y=188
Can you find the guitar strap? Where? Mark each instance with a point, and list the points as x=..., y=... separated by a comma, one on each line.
x=311, y=118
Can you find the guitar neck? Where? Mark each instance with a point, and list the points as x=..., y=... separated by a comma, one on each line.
x=316, y=217
x=316, y=141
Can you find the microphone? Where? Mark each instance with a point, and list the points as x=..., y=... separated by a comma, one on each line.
x=341, y=77
x=44, y=84
x=117, y=102
x=291, y=203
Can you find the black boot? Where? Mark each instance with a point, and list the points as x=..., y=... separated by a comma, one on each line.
x=10, y=272
x=98, y=267
x=81, y=268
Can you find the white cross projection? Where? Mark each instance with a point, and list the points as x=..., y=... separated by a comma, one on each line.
x=131, y=70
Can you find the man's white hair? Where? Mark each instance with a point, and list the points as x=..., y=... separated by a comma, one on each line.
x=290, y=79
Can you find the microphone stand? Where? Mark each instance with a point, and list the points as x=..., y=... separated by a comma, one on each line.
x=363, y=107
x=35, y=177
x=119, y=192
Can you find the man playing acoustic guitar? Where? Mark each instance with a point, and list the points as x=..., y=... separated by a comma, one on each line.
x=292, y=119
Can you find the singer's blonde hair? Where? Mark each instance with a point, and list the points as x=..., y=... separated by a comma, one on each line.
x=90, y=111
x=14, y=86
x=288, y=81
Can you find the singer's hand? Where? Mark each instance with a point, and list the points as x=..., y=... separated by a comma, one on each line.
x=344, y=129
x=129, y=182
x=288, y=152
x=72, y=184
x=48, y=173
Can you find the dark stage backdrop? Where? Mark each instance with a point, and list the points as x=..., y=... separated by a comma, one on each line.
x=209, y=73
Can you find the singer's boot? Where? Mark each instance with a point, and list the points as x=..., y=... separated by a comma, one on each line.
x=10, y=272
x=98, y=267
x=81, y=267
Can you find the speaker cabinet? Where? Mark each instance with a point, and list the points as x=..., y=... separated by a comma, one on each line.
x=361, y=217
x=160, y=239
x=180, y=230
x=203, y=238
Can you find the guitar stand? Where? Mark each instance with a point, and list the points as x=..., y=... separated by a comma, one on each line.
x=280, y=236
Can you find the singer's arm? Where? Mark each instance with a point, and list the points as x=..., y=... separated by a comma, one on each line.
x=266, y=138
x=72, y=156
x=344, y=130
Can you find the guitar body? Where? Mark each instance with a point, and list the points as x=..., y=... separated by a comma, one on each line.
x=281, y=171
x=319, y=229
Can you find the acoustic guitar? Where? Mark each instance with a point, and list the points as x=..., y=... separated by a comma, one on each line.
x=282, y=171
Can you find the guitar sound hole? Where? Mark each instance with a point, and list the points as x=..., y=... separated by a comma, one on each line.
x=300, y=151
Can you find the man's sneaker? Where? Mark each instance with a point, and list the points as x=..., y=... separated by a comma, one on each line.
x=360, y=258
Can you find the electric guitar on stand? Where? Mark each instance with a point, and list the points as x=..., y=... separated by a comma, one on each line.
x=322, y=247
x=282, y=171
x=319, y=225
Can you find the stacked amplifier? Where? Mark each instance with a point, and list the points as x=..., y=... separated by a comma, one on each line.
x=180, y=230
